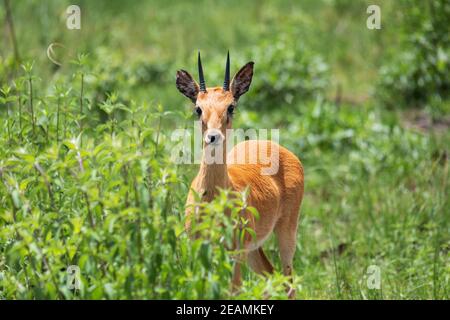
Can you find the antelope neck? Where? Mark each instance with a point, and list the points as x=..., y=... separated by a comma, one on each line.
x=212, y=176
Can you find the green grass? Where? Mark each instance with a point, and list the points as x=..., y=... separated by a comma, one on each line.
x=96, y=187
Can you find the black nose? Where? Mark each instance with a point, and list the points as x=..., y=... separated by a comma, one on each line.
x=212, y=137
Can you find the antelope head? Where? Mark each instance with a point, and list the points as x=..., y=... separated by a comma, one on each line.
x=215, y=106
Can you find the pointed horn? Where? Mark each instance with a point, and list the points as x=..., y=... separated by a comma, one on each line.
x=226, y=82
x=200, y=74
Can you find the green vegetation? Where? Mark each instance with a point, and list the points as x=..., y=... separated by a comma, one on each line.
x=87, y=179
x=420, y=73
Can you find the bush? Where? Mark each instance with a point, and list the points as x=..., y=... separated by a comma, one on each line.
x=421, y=72
x=285, y=71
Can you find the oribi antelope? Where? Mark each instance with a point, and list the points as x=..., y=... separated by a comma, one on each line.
x=277, y=197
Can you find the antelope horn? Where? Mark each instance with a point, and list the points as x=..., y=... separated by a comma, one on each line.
x=200, y=74
x=226, y=82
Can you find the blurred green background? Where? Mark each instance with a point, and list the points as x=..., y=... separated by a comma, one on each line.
x=367, y=111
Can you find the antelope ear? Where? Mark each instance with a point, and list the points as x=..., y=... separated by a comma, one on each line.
x=187, y=85
x=242, y=80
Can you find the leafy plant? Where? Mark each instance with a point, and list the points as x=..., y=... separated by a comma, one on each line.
x=419, y=74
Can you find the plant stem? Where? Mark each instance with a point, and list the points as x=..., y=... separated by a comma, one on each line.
x=57, y=120
x=20, y=118
x=41, y=171
x=8, y=121
x=112, y=123
x=81, y=107
x=30, y=83
x=81, y=93
x=81, y=98
x=65, y=122
x=139, y=220
x=157, y=136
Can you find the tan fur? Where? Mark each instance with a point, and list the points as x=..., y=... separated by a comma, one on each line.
x=276, y=197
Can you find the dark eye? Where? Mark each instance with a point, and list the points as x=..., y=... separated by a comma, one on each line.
x=230, y=110
x=198, y=111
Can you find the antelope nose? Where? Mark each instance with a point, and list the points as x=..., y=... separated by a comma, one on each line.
x=212, y=137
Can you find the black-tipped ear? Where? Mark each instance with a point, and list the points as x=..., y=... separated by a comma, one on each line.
x=242, y=80
x=187, y=85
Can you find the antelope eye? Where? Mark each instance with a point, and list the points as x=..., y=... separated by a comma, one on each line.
x=198, y=111
x=230, y=109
